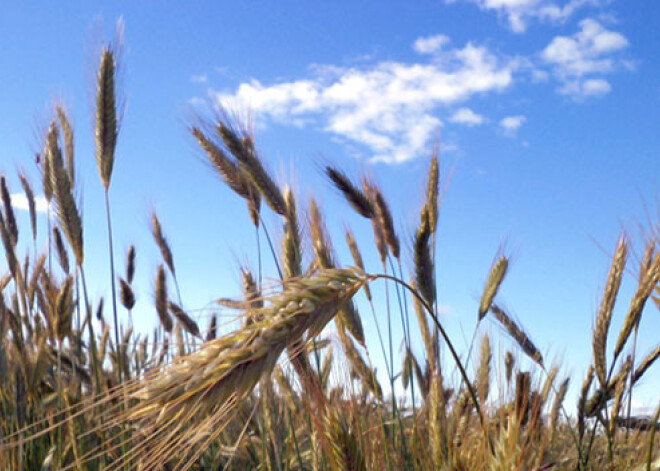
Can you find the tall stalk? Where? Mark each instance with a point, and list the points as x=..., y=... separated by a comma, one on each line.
x=106, y=140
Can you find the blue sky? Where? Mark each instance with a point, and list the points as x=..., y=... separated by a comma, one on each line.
x=546, y=111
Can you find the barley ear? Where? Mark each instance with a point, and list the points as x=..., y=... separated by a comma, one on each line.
x=60, y=250
x=495, y=278
x=10, y=217
x=644, y=290
x=424, y=273
x=161, y=241
x=106, y=129
x=645, y=364
x=387, y=223
x=32, y=206
x=604, y=318
x=243, y=150
x=184, y=319
x=356, y=198
x=483, y=372
x=517, y=334
x=130, y=264
x=67, y=131
x=432, y=192
x=291, y=250
x=162, y=300
x=357, y=258
x=65, y=204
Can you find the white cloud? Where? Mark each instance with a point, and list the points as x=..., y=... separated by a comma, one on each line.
x=430, y=44
x=576, y=59
x=518, y=13
x=511, y=124
x=467, y=117
x=388, y=107
x=20, y=201
x=199, y=78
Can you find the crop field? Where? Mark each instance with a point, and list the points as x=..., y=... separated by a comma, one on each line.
x=292, y=385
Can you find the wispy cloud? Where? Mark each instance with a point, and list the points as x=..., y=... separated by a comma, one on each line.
x=510, y=124
x=202, y=78
x=430, y=44
x=467, y=117
x=518, y=13
x=580, y=61
x=19, y=201
x=390, y=107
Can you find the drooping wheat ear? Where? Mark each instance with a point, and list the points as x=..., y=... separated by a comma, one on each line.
x=549, y=382
x=495, y=278
x=379, y=234
x=483, y=372
x=424, y=273
x=357, y=258
x=126, y=294
x=228, y=170
x=604, y=318
x=253, y=299
x=65, y=204
x=162, y=299
x=517, y=334
x=386, y=222
x=60, y=250
x=32, y=206
x=320, y=242
x=161, y=241
x=67, y=132
x=10, y=217
x=356, y=198
x=644, y=290
x=291, y=249
x=582, y=401
x=645, y=364
x=556, y=406
x=359, y=367
x=46, y=177
x=64, y=306
x=212, y=332
x=106, y=129
x=243, y=150
x=432, y=192
x=130, y=264
x=204, y=387
x=184, y=319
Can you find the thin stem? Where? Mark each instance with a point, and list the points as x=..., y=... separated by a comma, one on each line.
x=112, y=282
x=462, y=371
x=272, y=249
x=632, y=372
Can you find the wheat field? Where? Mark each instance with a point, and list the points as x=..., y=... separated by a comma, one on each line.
x=80, y=390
